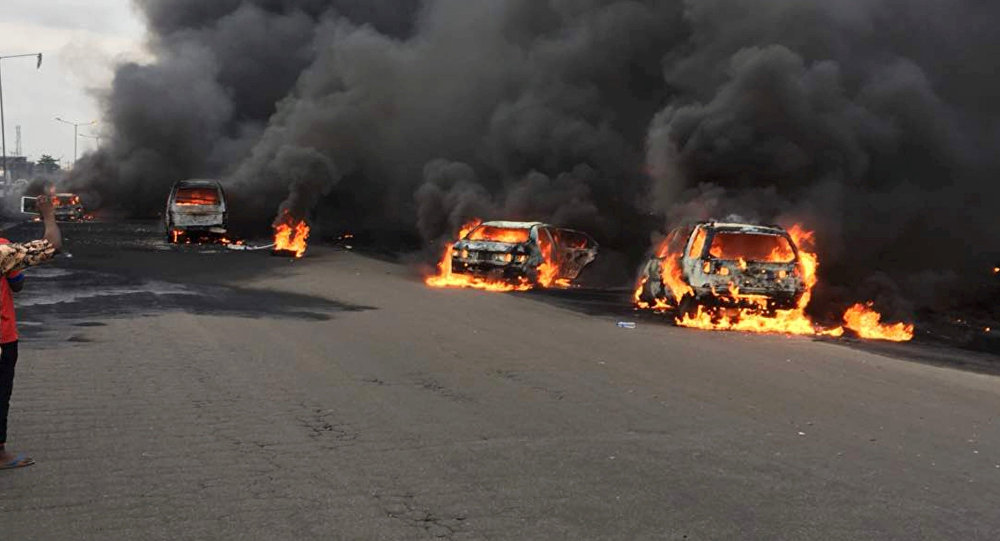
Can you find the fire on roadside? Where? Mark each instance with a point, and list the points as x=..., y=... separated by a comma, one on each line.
x=756, y=318
x=290, y=236
x=867, y=323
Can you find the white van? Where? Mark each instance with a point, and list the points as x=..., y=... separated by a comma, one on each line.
x=195, y=208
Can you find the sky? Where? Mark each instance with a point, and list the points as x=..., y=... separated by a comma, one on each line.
x=81, y=41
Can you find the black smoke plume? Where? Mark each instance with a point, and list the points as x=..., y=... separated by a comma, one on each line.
x=874, y=122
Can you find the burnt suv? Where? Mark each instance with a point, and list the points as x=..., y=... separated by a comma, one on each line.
x=733, y=265
x=523, y=251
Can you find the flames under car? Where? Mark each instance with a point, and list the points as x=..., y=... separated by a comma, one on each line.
x=531, y=252
x=732, y=265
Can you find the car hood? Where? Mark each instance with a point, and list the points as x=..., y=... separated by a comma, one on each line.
x=487, y=246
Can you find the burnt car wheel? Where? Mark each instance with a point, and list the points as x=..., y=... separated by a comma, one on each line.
x=648, y=294
x=532, y=276
x=688, y=307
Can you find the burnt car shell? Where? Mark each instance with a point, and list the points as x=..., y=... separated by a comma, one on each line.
x=196, y=207
x=711, y=272
x=518, y=256
x=68, y=207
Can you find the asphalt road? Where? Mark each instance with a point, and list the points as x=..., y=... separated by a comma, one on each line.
x=202, y=394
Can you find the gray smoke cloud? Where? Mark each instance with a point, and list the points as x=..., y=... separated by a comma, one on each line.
x=872, y=121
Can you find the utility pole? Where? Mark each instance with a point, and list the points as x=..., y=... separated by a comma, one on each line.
x=18, y=151
x=76, y=136
x=3, y=130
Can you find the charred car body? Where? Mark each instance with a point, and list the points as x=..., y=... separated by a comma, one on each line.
x=732, y=265
x=195, y=208
x=68, y=207
x=533, y=252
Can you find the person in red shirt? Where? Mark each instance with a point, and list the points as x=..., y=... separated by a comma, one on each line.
x=13, y=283
x=13, y=259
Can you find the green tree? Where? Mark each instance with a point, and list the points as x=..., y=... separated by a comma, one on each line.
x=48, y=164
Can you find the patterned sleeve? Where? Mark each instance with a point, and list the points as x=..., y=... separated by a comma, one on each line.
x=18, y=256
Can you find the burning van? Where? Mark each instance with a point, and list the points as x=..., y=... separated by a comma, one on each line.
x=195, y=208
x=68, y=207
x=731, y=265
x=515, y=255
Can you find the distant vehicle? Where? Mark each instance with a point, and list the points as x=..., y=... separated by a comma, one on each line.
x=195, y=208
x=515, y=251
x=708, y=262
x=68, y=207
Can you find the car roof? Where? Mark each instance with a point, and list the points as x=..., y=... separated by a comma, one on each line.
x=512, y=225
x=66, y=194
x=197, y=183
x=745, y=228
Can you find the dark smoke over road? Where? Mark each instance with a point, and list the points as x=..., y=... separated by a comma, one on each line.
x=872, y=121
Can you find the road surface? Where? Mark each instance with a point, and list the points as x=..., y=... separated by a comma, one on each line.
x=202, y=394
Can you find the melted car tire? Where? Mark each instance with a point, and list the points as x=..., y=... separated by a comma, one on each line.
x=687, y=307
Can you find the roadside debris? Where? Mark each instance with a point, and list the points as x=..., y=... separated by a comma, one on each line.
x=245, y=248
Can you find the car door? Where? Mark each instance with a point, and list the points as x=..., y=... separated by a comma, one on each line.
x=573, y=251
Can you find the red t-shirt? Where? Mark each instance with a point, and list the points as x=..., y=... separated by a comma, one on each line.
x=8, y=321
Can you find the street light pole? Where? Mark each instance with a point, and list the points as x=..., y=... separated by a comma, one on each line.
x=95, y=137
x=3, y=127
x=76, y=128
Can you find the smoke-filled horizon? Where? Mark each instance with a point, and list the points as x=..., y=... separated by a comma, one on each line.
x=871, y=121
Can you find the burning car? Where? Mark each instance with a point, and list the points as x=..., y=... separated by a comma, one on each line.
x=195, y=208
x=732, y=265
x=515, y=255
x=749, y=278
x=68, y=207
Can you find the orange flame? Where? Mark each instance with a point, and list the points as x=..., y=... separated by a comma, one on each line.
x=291, y=236
x=499, y=234
x=793, y=321
x=548, y=271
x=867, y=323
x=445, y=278
x=671, y=275
x=861, y=319
x=196, y=197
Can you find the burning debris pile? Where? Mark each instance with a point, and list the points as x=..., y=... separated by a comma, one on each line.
x=290, y=236
x=513, y=256
x=741, y=277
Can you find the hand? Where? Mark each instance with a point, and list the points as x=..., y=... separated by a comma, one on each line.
x=45, y=207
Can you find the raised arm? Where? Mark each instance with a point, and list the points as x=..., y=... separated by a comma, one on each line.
x=14, y=257
x=48, y=212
